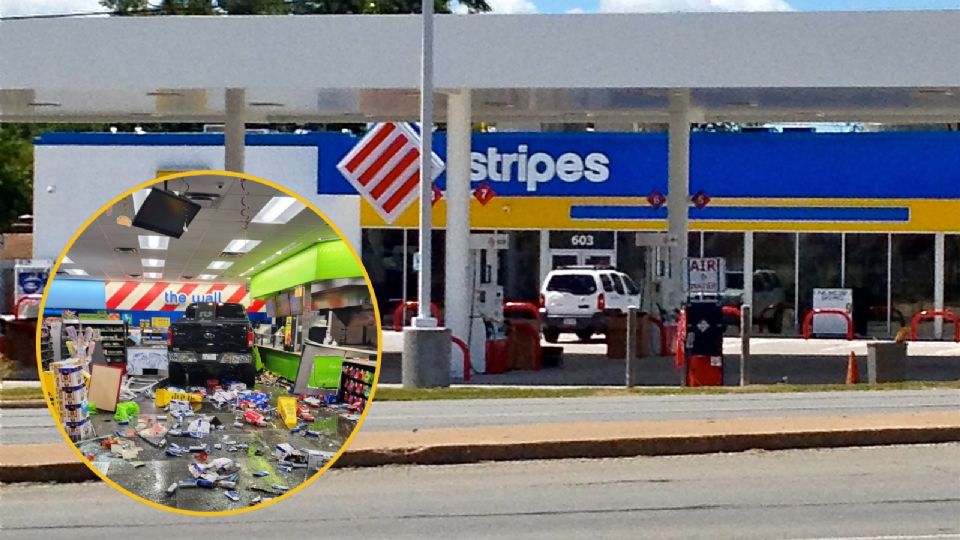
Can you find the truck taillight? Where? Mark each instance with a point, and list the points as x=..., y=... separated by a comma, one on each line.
x=601, y=302
x=543, y=301
x=250, y=339
x=170, y=337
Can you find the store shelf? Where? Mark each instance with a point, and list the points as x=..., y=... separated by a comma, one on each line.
x=356, y=381
x=111, y=334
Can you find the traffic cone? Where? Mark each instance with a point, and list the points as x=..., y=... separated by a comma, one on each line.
x=853, y=374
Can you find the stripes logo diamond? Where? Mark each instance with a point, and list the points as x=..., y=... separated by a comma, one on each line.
x=384, y=168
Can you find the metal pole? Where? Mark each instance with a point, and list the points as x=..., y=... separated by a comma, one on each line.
x=234, y=130
x=631, y=346
x=796, y=283
x=939, y=272
x=424, y=319
x=748, y=269
x=746, y=326
x=843, y=260
x=678, y=191
x=406, y=261
x=889, y=283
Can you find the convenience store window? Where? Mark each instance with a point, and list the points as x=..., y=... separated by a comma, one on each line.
x=819, y=266
x=865, y=271
x=951, y=281
x=775, y=252
x=726, y=245
x=382, y=253
x=912, y=272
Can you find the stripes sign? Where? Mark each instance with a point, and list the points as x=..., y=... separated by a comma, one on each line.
x=174, y=296
x=384, y=168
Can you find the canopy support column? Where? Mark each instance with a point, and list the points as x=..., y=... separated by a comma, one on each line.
x=234, y=130
x=678, y=195
x=458, y=288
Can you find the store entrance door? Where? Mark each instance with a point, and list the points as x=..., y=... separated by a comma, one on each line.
x=582, y=248
x=572, y=257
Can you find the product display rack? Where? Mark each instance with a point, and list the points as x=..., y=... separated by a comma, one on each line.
x=356, y=381
x=111, y=334
x=47, y=354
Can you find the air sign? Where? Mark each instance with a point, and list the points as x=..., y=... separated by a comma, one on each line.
x=705, y=275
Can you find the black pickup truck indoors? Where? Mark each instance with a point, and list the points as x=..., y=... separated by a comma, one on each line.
x=212, y=340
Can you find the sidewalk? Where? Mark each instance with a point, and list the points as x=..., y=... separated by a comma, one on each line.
x=56, y=462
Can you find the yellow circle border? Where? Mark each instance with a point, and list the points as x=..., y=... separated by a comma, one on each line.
x=235, y=175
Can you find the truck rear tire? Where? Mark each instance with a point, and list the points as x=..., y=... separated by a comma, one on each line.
x=551, y=335
x=177, y=374
x=248, y=375
x=585, y=335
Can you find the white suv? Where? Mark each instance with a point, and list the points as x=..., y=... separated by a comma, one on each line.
x=579, y=299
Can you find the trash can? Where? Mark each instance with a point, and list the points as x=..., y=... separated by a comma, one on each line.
x=617, y=336
x=886, y=362
x=523, y=335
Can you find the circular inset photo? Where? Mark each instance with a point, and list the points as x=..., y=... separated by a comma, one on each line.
x=209, y=342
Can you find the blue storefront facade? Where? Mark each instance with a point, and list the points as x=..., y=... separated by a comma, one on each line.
x=875, y=212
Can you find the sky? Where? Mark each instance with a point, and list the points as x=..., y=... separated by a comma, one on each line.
x=38, y=7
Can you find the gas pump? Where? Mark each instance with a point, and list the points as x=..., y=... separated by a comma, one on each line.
x=486, y=300
x=656, y=260
x=704, y=342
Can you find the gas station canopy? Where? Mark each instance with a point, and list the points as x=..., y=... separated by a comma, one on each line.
x=895, y=67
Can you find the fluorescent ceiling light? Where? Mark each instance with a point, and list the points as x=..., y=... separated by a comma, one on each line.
x=207, y=276
x=241, y=246
x=77, y=272
x=279, y=210
x=66, y=260
x=152, y=275
x=153, y=263
x=220, y=265
x=150, y=241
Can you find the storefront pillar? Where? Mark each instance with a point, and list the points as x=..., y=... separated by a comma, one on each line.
x=938, y=281
x=458, y=287
x=234, y=130
x=679, y=194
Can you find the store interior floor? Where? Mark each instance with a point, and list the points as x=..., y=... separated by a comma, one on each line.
x=159, y=471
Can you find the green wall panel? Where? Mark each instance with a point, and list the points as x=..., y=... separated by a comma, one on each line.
x=326, y=371
x=334, y=260
x=325, y=260
x=290, y=272
x=285, y=364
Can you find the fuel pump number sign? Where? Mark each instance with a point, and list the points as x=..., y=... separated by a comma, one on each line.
x=704, y=275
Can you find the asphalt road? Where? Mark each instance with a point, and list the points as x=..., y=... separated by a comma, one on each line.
x=21, y=426
x=888, y=493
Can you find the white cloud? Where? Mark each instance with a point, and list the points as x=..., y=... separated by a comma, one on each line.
x=14, y=8
x=575, y=11
x=646, y=6
x=512, y=6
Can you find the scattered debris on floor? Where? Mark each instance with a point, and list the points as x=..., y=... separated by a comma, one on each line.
x=251, y=444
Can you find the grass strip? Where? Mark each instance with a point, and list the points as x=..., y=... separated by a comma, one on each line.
x=494, y=392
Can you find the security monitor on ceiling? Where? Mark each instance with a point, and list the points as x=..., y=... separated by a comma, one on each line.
x=166, y=213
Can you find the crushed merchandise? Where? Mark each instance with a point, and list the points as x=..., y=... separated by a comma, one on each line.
x=250, y=444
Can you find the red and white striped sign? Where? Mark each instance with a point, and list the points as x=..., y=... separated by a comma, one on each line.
x=174, y=296
x=384, y=167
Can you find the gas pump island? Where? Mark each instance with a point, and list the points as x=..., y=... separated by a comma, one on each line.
x=701, y=324
x=486, y=333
